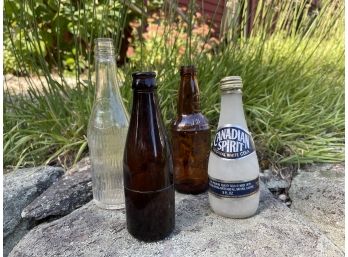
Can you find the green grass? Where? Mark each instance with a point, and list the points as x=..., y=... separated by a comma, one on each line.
x=293, y=92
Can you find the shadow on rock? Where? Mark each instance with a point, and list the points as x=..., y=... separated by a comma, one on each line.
x=190, y=212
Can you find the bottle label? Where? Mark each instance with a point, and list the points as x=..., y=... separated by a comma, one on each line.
x=233, y=189
x=232, y=142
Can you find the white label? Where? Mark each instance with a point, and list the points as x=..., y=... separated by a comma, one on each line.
x=232, y=142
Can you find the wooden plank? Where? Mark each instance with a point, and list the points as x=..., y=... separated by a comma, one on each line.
x=252, y=6
x=207, y=6
x=212, y=10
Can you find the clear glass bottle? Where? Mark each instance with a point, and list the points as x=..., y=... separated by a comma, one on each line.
x=233, y=168
x=107, y=130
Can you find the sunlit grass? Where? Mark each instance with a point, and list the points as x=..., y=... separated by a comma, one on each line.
x=293, y=92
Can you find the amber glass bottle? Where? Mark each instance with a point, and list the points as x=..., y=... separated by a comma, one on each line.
x=148, y=166
x=190, y=137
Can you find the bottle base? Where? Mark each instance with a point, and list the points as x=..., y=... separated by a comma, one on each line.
x=235, y=208
x=150, y=215
x=233, y=216
x=105, y=206
x=150, y=239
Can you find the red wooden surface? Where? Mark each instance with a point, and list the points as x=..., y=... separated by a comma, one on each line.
x=252, y=6
x=210, y=9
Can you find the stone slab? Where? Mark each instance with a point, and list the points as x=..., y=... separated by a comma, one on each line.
x=21, y=187
x=69, y=193
x=317, y=193
x=89, y=231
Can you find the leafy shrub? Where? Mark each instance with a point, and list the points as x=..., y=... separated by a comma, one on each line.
x=171, y=38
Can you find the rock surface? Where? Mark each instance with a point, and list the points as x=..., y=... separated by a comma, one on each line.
x=21, y=187
x=69, y=193
x=89, y=231
x=273, y=181
x=82, y=165
x=319, y=196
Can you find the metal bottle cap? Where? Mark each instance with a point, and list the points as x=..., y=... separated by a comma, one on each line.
x=231, y=83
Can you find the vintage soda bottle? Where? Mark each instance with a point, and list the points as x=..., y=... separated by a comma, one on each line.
x=107, y=130
x=148, y=165
x=190, y=137
x=233, y=167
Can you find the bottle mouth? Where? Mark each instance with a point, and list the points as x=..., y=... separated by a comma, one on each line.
x=144, y=74
x=188, y=70
x=231, y=83
x=144, y=80
x=104, y=47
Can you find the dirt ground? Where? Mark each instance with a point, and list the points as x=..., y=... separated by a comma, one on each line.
x=19, y=85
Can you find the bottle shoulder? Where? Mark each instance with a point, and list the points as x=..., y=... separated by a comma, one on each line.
x=190, y=122
x=237, y=124
x=233, y=169
x=107, y=112
x=232, y=120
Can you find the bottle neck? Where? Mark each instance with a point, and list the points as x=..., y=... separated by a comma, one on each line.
x=188, y=102
x=231, y=111
x=144, y=103
x=145, y=111
x=146, y=123
x=106, y=83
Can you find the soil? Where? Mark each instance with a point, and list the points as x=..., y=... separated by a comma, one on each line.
x=19, y=85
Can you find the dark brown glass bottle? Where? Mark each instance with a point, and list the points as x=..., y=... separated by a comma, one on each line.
x=190, y=137
x=148, y=166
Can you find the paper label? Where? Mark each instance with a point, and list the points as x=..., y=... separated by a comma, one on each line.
x=232, y=142
x=232, y=189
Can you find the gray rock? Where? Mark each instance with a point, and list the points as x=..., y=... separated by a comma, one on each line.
x=319, y=197
x=69, y=193
x=82, y=165
x=282, y=197
x=21, y=187
x=273, y=181
x=13, y=238
x=274, y=231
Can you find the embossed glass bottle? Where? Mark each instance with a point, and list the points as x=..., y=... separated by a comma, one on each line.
x=233, y=168
x=190, y=137
x=107, y=130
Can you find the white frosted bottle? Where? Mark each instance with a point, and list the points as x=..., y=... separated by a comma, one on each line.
x=233, y=168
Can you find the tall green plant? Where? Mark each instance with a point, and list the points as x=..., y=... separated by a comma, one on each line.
x=60, y=33
x=291, y=65
x=49, y=122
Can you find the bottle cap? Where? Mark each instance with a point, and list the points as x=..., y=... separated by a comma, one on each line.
x=231, y=83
